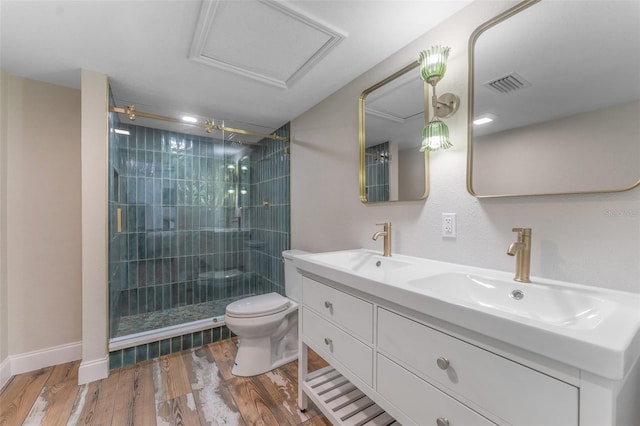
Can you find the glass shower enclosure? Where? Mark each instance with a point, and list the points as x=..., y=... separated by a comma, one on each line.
x=195, y=222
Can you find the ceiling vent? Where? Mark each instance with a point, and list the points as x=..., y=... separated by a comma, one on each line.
x=507, y=84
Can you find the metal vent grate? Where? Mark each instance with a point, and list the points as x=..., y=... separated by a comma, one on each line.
x=508, y=83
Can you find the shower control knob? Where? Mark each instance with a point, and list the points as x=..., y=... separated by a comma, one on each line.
x=443, y=363
x=328, y=305
x=442, y=421
x=328, y=341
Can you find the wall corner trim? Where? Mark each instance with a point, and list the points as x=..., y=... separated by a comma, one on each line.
x=5, y=372
x=93, y=370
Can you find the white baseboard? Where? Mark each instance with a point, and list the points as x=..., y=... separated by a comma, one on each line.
x=5, y=372
x=47, y=357
x=93, y=370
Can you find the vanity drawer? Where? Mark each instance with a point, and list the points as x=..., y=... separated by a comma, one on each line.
x=421, y=402
x=335, y=343
x=349, y=312
x=511, y=391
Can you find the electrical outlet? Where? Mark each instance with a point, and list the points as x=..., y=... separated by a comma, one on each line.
x=449, y=225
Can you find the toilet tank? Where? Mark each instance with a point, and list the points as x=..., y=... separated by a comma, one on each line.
x=292, y=279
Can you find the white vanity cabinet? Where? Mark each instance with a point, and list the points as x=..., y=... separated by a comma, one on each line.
x=340, y=327
x=514, y=393
x=346, y=311
x=432, y=343
x=339, y=345
x=423, y=403
x=420, y=374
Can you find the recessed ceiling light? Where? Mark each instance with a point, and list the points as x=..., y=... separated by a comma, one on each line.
x=483, y=120
x=122, y=132
x=189, y=119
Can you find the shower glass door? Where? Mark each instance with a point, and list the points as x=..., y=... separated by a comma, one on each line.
x=195, y=222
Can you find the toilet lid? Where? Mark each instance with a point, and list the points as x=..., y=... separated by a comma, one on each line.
x=264, y=304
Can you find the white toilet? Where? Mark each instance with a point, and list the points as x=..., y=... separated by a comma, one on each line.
x=267, y=325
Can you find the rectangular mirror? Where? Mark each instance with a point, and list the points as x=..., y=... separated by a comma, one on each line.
x=392, y=115
x=564, y=98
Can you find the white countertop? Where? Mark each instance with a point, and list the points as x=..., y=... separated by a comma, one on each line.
x=603, y=340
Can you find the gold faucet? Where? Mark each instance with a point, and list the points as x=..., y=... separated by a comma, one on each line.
x=386, y=233
x=522, y=250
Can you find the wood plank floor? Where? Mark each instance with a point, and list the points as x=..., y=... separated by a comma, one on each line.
x=193, y=387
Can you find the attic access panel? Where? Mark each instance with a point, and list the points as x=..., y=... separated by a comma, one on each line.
x=264, y=40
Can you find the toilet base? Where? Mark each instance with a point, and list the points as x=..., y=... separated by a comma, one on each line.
x=256, y=356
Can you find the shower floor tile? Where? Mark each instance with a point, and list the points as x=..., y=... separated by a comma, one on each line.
x=173, y=316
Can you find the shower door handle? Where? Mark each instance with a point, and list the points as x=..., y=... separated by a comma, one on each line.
x=118, y=220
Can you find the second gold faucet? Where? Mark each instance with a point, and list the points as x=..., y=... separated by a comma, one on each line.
x=522, y=250
x=386, y=233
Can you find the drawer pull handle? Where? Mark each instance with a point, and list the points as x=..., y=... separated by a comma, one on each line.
x=328, y=341
x=443, y=363
x=328, y=305
x=442, y=421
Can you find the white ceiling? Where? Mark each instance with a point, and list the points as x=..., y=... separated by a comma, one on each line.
x=259, y=63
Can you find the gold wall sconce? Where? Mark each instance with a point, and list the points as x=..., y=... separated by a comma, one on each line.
x=433, y=65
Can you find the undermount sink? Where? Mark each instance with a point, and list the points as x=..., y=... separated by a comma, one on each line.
x=553, y=305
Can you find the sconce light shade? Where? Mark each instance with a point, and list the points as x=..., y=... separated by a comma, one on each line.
x=435, y=136
x=433, y=63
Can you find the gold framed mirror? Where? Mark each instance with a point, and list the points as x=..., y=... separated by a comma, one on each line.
x=391, y=117
x=564, y=99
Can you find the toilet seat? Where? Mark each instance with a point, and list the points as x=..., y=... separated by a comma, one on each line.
x=261, y=305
